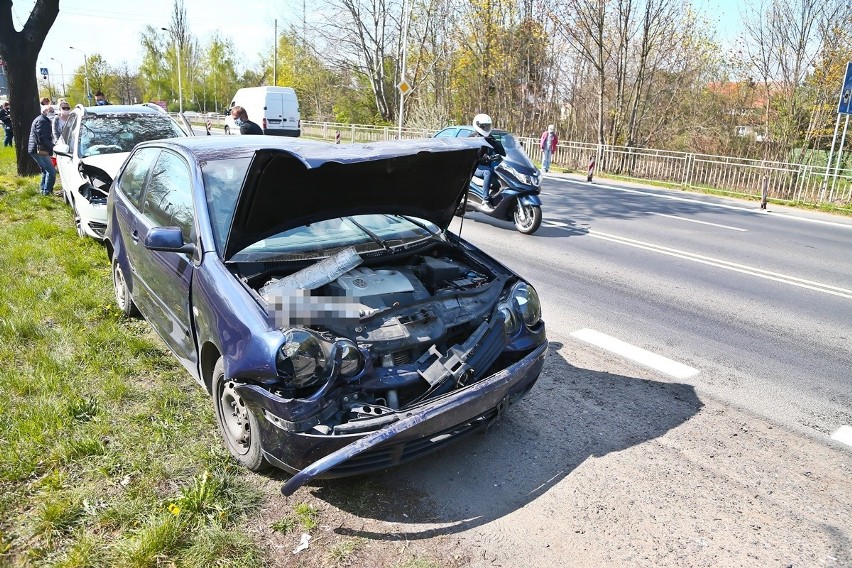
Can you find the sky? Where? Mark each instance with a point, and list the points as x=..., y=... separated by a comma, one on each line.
x=113, y=29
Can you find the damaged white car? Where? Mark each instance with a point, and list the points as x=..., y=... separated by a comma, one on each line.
x=91, y=148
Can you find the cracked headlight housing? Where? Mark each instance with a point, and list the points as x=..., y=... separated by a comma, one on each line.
x=526, y=302
x=521, y=304
x=308, y=360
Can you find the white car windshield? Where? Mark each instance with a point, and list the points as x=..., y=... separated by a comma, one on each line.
x=117, y=134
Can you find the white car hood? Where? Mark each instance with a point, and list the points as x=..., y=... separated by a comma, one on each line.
x=109, y=163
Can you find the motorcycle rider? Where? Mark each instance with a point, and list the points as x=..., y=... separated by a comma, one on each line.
x=482, y=125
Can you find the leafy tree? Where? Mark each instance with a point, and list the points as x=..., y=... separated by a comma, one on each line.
x=19, y=50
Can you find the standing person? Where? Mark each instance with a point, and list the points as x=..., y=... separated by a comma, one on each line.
x=6, y=119
x=548, y=142
x=40, y=147
x=61, y=119
x=591, y=168
x=45, y=101
x=100, y=99
x=241, y=119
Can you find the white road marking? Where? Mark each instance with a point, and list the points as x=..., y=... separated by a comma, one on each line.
x=709, y=203
x=559, y=224
x=843, y=435
x=696, y=221
x=741, y=268
x=641, y=356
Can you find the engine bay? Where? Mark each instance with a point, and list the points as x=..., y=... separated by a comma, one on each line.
x=370, y=339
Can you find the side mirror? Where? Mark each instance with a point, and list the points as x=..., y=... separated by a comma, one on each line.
x=61, y=149
x=167, y=239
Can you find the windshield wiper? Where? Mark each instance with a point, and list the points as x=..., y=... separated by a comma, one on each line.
x=419, y=224
x=372, y=235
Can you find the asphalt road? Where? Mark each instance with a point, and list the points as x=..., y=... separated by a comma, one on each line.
x=699, y=364
x=757, y=304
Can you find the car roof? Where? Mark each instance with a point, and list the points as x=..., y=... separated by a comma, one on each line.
x=472, y=129
x=106, y=110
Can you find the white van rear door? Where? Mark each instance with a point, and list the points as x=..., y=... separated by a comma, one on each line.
x=274, y=110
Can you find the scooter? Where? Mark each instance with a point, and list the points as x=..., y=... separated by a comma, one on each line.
x=513, y=195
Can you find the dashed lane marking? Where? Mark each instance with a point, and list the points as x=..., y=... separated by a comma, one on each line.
x=696, y=221
x=637, y=354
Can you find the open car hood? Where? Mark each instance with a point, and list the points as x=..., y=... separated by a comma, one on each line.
x=288, y=188
x=108, y=163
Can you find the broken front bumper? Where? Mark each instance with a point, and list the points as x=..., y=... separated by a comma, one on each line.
x=418, y=430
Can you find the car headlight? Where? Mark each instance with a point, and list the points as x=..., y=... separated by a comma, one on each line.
x=306, y=359
x=511, y=323
x=526, y=301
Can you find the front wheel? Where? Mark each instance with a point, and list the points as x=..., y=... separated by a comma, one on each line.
x=227, y=129
x=237, y=423
x=527, y=218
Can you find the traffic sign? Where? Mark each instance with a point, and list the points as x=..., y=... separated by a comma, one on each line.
x=844, y=105
x=403, y=87
x=44, y=73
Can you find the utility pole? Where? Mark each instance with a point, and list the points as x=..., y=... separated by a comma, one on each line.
x=177, y=55
x=62, y=72
x=86, y=74
x=402, y=81
x=275, y=56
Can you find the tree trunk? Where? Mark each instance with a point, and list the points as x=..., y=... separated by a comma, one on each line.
x=20, y=52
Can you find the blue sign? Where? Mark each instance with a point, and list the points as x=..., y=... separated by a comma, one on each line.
x=844, y=105
x=43, y=72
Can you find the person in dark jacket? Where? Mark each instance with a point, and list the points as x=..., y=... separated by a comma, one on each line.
x=40, y=147
x=6, y=119
x=241, y=119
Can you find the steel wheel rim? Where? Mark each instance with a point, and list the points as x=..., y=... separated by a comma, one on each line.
x=120, y=288
x=235, y=418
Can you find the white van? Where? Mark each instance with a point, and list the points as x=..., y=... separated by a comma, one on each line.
x=274, y=109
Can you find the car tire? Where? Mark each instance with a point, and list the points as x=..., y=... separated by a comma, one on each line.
x=123, y=299
x=227, y=129
x=237, y=423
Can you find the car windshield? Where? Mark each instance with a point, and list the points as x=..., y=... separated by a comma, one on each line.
x=367, y=233
x=116, y=134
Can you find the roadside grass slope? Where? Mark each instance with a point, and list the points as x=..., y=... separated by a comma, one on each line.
x=110, y=454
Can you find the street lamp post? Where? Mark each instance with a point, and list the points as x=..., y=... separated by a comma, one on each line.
x=62, y=72
x=177, y=55
x=86, y=74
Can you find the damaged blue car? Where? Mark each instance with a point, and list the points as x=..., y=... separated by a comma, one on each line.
x=315, y=291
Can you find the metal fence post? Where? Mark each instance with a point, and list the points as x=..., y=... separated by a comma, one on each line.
x=687, y=169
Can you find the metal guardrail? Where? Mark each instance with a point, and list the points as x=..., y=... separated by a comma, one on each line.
x=783, y=182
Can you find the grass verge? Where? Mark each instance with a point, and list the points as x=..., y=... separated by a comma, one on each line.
x=110, y=452
x=110, y=457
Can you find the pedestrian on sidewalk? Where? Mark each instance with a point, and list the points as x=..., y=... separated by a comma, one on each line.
x=548, y=143
x=591, y=168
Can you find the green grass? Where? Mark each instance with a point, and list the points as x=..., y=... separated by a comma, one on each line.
x=110, y=453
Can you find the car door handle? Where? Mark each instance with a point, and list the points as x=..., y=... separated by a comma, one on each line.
x=135, y=236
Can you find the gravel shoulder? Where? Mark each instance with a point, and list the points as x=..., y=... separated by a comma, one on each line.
x=601, y=465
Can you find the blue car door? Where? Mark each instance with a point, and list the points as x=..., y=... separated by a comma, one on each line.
x=167, y=276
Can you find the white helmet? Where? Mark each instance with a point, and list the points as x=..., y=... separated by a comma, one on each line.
x=482, y=124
